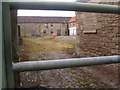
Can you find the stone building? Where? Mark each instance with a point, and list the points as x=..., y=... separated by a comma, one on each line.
x=97, y=33
x=43, y=26
x=72, y=26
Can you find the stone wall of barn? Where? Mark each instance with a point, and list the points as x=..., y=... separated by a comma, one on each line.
x=42, y=29
x=97, y=33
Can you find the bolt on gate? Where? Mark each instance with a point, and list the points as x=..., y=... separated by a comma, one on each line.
x=8, y=66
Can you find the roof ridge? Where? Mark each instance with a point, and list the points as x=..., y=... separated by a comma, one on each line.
x=38, y=19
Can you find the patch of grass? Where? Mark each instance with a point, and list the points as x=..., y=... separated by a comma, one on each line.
x=50, y=39
x=37, y=48
x=66, y=43
x=46, y=44
x=36, y=45
x=45, y=39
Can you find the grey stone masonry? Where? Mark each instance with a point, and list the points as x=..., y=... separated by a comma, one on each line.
x=98, y=33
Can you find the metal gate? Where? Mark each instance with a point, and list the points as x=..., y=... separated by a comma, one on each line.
x=6, y=59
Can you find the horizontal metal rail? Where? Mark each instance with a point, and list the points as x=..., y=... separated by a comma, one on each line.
x=69, y=6
x=65, y=63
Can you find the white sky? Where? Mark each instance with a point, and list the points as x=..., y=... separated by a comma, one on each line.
x=50, y=13
x=46, y=13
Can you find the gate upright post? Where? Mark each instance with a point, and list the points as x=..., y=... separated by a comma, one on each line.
x=7, y=44
x=2, y=60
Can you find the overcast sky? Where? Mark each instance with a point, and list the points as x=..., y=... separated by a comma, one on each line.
x=46, y=13
x=50, y=13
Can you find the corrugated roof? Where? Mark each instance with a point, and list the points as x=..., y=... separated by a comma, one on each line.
x=38, y=19
x=73, y=19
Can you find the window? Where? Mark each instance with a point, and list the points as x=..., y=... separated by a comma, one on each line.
x=73, y=24
x=51, y=31
x=46, y=26
x=44, y=31
x=63, y=24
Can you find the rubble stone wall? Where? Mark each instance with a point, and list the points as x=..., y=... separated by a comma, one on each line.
x=97, y=33
x=42, y=29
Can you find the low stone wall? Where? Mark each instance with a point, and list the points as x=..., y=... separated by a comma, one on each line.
x=97, y=34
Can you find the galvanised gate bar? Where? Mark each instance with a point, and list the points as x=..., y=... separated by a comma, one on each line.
x=64, y=63
x=8, y=66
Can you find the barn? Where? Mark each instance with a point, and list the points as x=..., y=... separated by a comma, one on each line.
x=43, y=26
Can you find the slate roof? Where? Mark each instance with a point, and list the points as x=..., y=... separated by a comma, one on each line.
x=38, y=19
x=83, y=1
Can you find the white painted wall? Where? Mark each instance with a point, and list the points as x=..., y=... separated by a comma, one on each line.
x=72, y=31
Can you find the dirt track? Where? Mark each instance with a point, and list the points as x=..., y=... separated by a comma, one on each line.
x=105, y=76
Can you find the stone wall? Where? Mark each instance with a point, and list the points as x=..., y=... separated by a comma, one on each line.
x=97, y=34
x=42, y=29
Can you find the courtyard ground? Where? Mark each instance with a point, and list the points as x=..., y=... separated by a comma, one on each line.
x=37, y=49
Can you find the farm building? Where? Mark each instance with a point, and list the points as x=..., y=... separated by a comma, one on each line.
x=97, y=33
x=72, y=26
x=43, y=26
x=95, y=41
